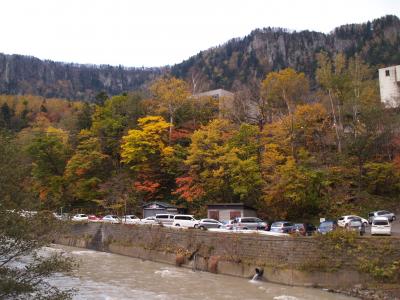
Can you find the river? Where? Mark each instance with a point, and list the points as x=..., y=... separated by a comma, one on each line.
x=106, y=276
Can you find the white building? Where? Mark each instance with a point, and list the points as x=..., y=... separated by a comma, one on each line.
x=389, y=83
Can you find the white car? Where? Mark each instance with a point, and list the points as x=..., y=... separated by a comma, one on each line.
x=130, y=219
x=165, y=219
x=345, y=220
x=381, y=225
x=149, y=220
x=185, y=221
x=80, y=217
x=111, y=219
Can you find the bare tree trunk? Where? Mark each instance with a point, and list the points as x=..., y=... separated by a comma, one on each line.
x=335, y=124
x=291, y=124
x=171, y=121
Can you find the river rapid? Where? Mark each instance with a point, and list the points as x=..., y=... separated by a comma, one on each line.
x=106, y=276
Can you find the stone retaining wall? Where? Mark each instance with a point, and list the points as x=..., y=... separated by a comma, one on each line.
x=287, y=260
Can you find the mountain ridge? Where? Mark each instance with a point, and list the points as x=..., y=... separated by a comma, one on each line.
x=230, y=65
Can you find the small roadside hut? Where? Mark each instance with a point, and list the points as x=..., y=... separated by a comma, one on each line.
x=152, y=208
x=229, y=211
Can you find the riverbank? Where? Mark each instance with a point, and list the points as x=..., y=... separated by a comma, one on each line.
x=338, y=263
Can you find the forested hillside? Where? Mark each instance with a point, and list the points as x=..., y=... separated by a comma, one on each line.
x=228, y=66
x=241, y=60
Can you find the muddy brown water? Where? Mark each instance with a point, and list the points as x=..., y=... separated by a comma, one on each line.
x=109, y=276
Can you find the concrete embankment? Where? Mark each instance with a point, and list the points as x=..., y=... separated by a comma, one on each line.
x=339, y=263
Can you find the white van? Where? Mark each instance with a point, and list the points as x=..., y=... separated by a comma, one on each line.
x=185, y=221
x=381, y=225
x=164, y=219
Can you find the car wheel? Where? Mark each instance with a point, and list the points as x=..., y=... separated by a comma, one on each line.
x=202, y=228
x=196, y=226
x=394, y=218
x=177, y=225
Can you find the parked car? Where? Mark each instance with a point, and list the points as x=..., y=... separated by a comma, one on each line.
x=246, y=223
x=130, y=219
x=149, y=220
x=227, y=225
x=381, y=213
x=185, y=221
x=209, y=223
x=165, y=219
x=94, y=218
x=305, y=229
x=327, y=226
x=356, y=224
x=111, y=219
x=80, y=218
x=344, y=220
x=282, y=227
x=381, y=225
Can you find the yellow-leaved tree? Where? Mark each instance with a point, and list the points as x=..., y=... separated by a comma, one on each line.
x=172, y=93
x=283, y=90
x=147, y=152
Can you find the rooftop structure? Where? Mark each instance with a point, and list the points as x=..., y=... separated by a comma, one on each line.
x=389, y=84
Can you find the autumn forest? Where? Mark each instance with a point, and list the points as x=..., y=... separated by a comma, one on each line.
x=289, y=145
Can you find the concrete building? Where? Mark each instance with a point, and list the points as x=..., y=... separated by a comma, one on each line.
x=389, y=84
x=224, y=97
x=229, y=211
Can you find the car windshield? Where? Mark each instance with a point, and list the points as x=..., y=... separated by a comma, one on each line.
x=277, y=224
x=382, y=222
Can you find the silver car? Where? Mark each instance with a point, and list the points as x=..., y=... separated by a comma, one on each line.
x=246, y=223
x=209, y=223
x=381, y=213
x=356, y=224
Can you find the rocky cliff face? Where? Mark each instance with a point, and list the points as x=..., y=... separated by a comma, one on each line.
x=28, y=75
x=227, y=66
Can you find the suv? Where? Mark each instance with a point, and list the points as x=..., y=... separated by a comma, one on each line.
x=185, y=221
x=164, y=219
x=381, y=225
x=381, y=213
x=246, y=223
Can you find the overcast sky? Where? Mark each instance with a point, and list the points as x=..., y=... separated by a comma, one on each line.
x=160, y=32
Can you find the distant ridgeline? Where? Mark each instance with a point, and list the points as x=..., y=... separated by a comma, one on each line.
x=270, y=49
x=29, y=75
x=227, y=66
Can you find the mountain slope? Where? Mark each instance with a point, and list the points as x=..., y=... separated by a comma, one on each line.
x=236, y=62
x=270, y=49
x=29, y=75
